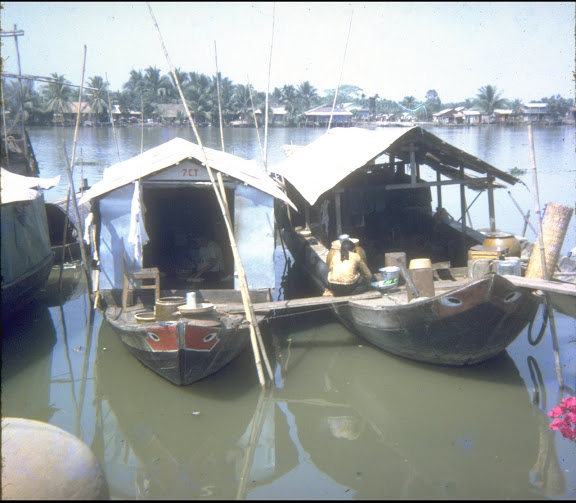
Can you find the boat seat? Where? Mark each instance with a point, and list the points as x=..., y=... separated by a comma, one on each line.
x=130, y=279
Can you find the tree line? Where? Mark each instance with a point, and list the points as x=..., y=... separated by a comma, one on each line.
x=146, y=89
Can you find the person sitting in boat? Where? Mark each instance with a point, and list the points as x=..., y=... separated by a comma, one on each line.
x=346, y=270
x=209, y=261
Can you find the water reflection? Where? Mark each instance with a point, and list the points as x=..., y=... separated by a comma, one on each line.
x=27, y=344
x=343, y=421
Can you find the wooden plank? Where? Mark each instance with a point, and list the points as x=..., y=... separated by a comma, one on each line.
x=542, y=284
x=297, y=303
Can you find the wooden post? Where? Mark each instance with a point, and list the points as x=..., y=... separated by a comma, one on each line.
x=439, y=189
x=491, y=211
x=412, y=151
x=463, y=208
x=26, y=153
x=338, y=211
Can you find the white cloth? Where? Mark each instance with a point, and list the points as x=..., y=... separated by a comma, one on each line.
x=211, y=251
x=137, y=235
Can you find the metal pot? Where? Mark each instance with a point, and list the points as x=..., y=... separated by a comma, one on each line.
x=501, y=241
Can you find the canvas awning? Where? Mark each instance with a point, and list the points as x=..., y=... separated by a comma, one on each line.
x=171, y=153
x=23, y=188
x=319, y=166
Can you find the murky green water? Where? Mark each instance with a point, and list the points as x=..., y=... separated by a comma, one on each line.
x=343, y=419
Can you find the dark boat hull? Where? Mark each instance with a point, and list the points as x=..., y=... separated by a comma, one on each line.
x=184, y=350
x=462, y=327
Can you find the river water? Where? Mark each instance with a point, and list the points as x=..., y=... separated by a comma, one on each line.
x=343, y=419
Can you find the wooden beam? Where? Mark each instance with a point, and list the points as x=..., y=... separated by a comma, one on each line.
x=543, y=284
x=299, y=303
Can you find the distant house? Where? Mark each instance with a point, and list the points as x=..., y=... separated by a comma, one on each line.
x=320, y=116
x=172, y=112
x=69, y=116
x=503, y=115
x=472, y=117
x=449, y=116
x=359, y=112
x=534, y=112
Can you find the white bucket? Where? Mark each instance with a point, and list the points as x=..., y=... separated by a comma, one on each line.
x=390, y=272
x=510, y=265
x=191, y=300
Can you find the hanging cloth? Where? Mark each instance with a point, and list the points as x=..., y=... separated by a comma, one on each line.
x=137, y=235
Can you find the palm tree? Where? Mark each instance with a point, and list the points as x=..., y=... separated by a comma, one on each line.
x=242, y=103
x=182, y=80
x=97, y=98
x=156, y=85
x=307, y=95
x=58, y=96
x=488, y=99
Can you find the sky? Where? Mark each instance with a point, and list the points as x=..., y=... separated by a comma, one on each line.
x=393, y=49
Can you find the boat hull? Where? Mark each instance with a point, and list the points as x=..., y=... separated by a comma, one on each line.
x=26, y=254
x=463, y=327
x=184, y=350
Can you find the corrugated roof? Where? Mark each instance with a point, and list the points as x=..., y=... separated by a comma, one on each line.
x=326, y=110
x=319, y=166
x=171, y=153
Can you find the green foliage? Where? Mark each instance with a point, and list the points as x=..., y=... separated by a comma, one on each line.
x=146, y=88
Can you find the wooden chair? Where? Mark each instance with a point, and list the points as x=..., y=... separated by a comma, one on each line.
x=130, y=278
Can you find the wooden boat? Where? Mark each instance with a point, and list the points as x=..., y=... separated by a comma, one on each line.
x=184, y=348
x=143, y=209
x=354, y=181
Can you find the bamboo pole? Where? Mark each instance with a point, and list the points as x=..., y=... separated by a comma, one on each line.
x=526, y=217
x=219, y=101
x=26, y=153
x=268, y=93
x=112, y=120
x=531, y=271
x=71, y=191
x=4, y=122
x=341, y=71
x=141, y=122
x=254, y=329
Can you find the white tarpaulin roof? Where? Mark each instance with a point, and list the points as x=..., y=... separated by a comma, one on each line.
x=171, y=153
x=319, y=166
x=23, y=188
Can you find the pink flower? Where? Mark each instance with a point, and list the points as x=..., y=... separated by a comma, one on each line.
x=565, y=414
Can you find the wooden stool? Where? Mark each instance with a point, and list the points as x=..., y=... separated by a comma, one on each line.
x=130, y=278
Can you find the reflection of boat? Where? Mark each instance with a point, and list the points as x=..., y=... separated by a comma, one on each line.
x=26, y=252
x=27, y=344
x=183, y=439
x=443, y=314
x=387, y=427
x=144, y=209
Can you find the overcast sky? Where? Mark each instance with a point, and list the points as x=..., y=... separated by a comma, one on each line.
x=394, y=49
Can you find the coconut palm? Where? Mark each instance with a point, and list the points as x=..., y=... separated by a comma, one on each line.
x=97, y=97
x=182, y=80
x=488, y=99
x=58, y=96
x=242, y=102
x=156, y=85
x=307, y=95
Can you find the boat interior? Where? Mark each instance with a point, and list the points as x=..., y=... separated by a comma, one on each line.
x=383, y=220
x=174, y=217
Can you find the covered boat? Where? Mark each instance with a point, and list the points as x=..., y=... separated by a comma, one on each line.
x=27, y=255
x=144, y=210
x=372, y=185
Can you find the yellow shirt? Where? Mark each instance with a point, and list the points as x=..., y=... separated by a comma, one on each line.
x=347, y=272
